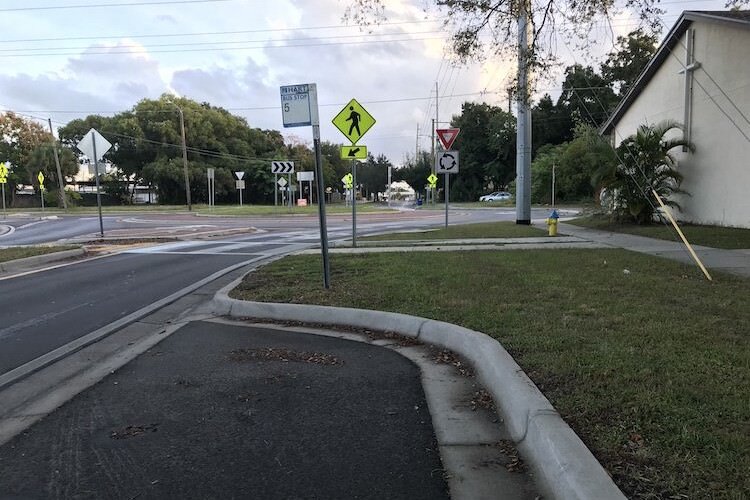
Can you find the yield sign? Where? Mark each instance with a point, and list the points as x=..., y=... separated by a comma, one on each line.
x=239, y=175
x=447, y=136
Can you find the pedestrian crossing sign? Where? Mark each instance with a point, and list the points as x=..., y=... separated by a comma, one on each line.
x=353, y=121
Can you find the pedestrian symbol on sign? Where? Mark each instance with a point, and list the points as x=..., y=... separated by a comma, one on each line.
x=354, y=118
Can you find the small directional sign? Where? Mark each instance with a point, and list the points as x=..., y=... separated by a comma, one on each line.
x=282, y=167
x=447, y=162
x=239, y=175
x=347, y=180
x=353, y=152
x=447, y=136
x=432, y=179
x=282, y=182
x=353, y=121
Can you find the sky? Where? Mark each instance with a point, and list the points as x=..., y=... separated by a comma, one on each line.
x=65, y=59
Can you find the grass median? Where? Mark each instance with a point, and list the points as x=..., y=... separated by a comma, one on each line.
x=710, y=236
x=13, y=253
x=505, y=229
x=649, y=363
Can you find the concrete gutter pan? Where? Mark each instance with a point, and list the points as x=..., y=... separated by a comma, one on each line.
x=564, y=466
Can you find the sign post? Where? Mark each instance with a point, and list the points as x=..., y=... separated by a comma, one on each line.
x=353, y=121
x=3, y=181
x=211, y=175
x=447, y=163
x=40, y=178
x=87, y=145
x=240, y=184
x=299, y=108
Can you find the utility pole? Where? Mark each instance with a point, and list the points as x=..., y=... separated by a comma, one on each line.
x=416, y=149
x=61, y=194
x=523, y=134
x=184, y=159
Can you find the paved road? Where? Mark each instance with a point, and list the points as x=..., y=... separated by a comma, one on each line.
x=211, y=412
x=44, y=311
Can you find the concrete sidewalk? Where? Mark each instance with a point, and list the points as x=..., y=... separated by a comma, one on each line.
x=735, y=262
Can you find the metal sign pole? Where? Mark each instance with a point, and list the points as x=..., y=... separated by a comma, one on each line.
x=98, y=193
x=4, y=214
x=275, y=190
x=321, y=207
x=354, y=203
x=447, y=197
x=41, y=196
x=291, y=193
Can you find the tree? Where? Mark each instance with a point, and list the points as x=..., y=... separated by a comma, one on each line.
x=624, y=64
x=19, y=138
x=42, y=159
x=470, y=20
x=645, y=164
x=147, y=148
x=586, y=96
x=487, y=144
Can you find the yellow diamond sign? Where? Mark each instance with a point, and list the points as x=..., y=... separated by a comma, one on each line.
x=40, y=177
x=353, y=121
x=3, y=173
x=432, y=179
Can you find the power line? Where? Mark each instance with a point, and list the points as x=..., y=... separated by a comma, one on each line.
x=191, y=44
x=88, y=6
x=264, y=47
x=212, y=33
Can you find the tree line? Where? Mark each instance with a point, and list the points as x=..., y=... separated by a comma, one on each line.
x=146, y=150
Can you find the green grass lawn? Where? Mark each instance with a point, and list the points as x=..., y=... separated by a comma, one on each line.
x=13, y=253
x=505, y=229
x=710, y=236
x=651, y=367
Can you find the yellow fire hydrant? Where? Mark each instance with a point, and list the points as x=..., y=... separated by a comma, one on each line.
x=552, y=222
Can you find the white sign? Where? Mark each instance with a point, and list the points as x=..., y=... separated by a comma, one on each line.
x=86, y=145
x=240, y=184
x=446, y=162
x=305, y=176
x=282, y=182
x=299, y=105
x=239, y=175
x=282, y=167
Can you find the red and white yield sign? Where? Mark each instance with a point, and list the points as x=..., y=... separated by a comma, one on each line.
x=447, y=136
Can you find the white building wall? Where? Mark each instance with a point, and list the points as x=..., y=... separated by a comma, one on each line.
x=717, y=175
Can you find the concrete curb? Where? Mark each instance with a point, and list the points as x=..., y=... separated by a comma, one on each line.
x=25, y=263
x=565, y=467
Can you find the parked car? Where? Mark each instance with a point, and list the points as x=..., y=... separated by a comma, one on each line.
x=496, y=196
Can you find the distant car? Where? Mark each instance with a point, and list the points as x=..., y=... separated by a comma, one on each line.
x=496, y=196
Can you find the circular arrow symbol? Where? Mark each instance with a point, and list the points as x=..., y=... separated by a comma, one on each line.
x=443, y=165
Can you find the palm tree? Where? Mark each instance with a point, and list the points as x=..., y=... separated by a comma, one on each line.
x=646, y=165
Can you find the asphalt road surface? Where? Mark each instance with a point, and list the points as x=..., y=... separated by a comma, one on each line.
x=223, y=411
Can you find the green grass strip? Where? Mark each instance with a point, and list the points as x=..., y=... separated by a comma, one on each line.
x=648, y=362
x=710, y=236
x=13, y=253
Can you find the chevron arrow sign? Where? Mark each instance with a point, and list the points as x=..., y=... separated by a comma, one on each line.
x=282, y=167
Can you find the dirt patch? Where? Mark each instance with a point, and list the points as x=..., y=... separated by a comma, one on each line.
x=133, y=431
x=283, y=355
